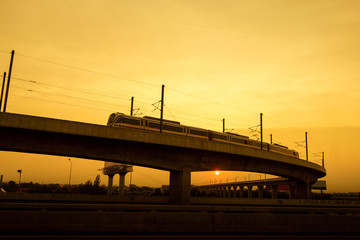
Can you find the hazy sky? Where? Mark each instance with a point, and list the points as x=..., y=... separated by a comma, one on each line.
x=298, y=62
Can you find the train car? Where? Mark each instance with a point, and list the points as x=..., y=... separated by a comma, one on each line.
x=197, y=132
x=174, y=127
x=219, y=137
x=122, y=120
x=169, y=126
x=277, y=148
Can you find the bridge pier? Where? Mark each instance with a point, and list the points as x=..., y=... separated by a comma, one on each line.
x=292, y=191
x=110, y=184
x=260, y=191
x=234, y=192
x=224, y=192
x=249, y=191
x=228, y=192
x=241, y=191
x=274, y=189
x=122, y=184
x=180, y=187
x=302, y=190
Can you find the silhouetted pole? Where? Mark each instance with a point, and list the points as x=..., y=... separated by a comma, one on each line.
x=131, y=113
x=9, y=76
x=270, y=138
x=261, y=130
x=162, y=108
x=132, y=106
x=323, y=159
x=2, y=91
x=19, y=171
x=223, y=125
x=306, y=145
x=130, y=181
x=70, y=175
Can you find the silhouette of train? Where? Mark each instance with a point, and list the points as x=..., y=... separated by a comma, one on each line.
x=174, y=127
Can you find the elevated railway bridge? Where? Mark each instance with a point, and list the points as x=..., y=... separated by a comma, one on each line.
x=178, y=154
x=245, y=189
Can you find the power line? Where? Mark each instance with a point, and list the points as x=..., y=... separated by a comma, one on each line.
x=71, y=89
x=211, y=101
x=2, y=51
x=59, y=102
x=87, y=70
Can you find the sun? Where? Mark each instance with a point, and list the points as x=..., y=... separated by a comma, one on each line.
x=217, y=172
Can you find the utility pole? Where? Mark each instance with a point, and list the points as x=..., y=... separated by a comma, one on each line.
x=270, y=138
x=261, y=130
x=9, y=76
x=306, y=145
x=2, y=90
x=223, y=125
x=162, y=108
x=132, y=106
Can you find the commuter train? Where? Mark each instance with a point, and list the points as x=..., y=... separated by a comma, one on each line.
x=174, y=127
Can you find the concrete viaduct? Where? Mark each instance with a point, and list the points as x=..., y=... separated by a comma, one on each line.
x=180, y=155
x=237, y=189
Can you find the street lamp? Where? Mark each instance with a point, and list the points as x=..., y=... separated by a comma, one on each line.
x=70, y=174
x=19, y=171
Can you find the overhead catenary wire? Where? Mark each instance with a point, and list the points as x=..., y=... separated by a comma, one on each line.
x=71, y=89
x=62, y=95
x=211, y=101
x=87, y=70
x=65, y=103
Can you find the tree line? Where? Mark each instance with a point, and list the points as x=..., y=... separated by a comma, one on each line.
x=89, y=187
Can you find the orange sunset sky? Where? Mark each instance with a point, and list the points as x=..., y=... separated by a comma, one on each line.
x=297, y=62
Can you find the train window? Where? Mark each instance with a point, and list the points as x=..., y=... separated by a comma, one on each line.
x=237, y=140
x=119, y=119
x=153, y=125
x=130, y=121
x=198, y=132
x=219, y=136
x=173, y=128
x=111, y=119
x=256, y=143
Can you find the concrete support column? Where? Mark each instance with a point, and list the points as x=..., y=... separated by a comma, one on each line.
x=224, y=192
x=234, y=192
x=274, y=191
x=292, y=191
x=229, y=192
x=241, y=191
x=180, y=187
x=249, y=191
x=110, y=184
x=208, y=191
x=302, y=190
x=122, y=184
x=260, y=191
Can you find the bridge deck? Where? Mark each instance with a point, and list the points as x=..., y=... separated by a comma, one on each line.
x=178, y=154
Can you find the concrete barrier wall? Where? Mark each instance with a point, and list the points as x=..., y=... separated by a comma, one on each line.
x=46, y=222
x=115, y=218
